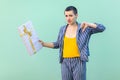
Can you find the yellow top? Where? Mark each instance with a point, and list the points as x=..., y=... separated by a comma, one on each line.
x=70, y=48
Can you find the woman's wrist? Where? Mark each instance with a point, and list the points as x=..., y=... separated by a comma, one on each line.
x=92, y=25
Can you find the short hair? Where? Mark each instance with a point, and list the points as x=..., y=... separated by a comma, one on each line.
x=71, y=8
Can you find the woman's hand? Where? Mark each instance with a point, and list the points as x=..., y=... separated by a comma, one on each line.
x=46, y=44
x=42, y=43
x=84, y=25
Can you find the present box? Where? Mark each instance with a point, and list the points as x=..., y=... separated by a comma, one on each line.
x=29, y=37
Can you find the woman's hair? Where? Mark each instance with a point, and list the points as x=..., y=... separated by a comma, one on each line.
x=71, y=8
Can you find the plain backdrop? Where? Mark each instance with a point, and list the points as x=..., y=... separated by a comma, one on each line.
x=47, y=17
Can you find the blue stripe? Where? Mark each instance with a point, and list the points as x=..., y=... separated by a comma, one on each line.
x=82, y=40
x=73, y=69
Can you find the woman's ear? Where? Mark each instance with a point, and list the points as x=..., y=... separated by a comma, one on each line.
x=76, y=15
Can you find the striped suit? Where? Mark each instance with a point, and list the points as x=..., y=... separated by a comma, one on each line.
x=82, y=41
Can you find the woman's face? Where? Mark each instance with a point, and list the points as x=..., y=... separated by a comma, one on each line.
x=70, y=17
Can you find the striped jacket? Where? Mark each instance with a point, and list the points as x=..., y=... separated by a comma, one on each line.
x=82, y=40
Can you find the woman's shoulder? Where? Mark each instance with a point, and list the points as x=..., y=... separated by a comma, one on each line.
x=63, y=27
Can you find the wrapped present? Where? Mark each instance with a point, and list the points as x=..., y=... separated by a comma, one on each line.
x=29, y=37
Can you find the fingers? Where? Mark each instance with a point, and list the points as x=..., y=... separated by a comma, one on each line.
x=84, y=26
x=41, y=42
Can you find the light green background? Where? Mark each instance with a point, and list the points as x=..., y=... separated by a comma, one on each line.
x=47, y=17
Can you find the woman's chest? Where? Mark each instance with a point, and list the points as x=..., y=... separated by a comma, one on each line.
x=71, y=32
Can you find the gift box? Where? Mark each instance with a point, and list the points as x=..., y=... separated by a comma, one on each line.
x=29, y=37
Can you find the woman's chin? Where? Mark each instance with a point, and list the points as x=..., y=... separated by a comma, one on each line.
x=70, y=23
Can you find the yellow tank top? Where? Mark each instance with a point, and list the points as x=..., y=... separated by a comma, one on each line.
x=70, y=48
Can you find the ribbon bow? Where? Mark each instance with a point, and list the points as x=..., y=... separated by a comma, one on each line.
x=29, y=33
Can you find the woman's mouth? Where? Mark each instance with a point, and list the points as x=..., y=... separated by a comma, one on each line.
x=69, y=21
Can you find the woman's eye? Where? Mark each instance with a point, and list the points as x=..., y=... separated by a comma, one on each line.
x=70, y=15
x=66, y=15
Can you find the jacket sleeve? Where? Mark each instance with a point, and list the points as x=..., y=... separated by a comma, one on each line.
x=56, y=43
x=99, y=28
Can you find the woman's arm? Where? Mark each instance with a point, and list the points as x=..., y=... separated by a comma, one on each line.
x=47, y=44
x=54, y=45
x=95, y=27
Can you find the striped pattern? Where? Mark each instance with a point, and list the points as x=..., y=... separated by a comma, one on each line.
x=73, y=69
x=82, y=40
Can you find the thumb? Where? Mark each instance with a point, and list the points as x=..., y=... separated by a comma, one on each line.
x=83, y=29
x=82, y=25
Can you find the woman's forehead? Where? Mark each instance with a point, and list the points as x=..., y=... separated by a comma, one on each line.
x=69, y=12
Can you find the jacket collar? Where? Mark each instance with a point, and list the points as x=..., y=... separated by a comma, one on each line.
x=65, y=27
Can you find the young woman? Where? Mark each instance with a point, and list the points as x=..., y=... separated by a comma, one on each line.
x=73, y=40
